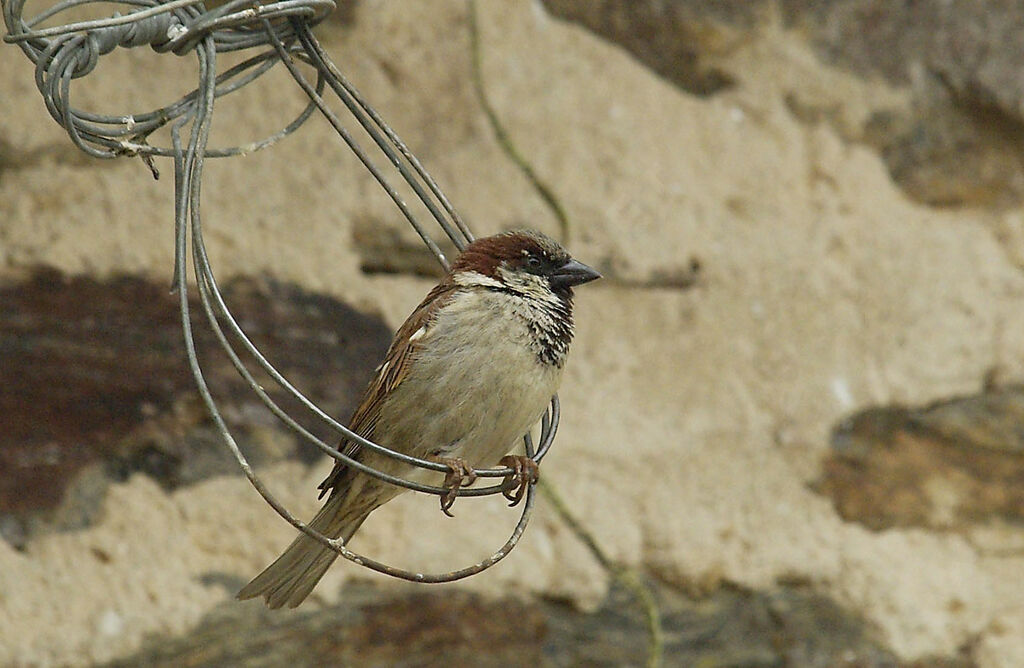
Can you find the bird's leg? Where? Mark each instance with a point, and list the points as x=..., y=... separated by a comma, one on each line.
x=460, y=474
x=525, y=472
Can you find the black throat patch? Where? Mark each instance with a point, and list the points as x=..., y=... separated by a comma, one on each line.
x=549, y=323
x=551, y=331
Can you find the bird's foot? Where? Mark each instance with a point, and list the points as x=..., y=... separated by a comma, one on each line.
x=461, y=474
x=525, y=472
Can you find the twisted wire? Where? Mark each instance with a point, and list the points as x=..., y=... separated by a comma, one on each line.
x=282, y=29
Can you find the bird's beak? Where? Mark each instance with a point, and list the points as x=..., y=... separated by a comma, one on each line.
x=573, y=273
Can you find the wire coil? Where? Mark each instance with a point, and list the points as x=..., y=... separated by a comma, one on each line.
x=281, y=33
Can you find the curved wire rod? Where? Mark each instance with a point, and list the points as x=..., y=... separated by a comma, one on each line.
x=371, y=123
x=355, y=147
x=73, y=53
x=67, y=52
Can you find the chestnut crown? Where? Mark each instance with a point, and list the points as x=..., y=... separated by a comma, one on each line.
x=526, y=252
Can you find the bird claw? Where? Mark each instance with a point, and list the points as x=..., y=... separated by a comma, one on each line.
x=460, y=474
x=525, y=472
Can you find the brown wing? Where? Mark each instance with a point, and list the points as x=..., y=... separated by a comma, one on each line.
x=389, y=375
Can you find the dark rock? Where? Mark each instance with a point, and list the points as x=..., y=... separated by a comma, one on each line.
x=387, y=249
x=672, y=38
x=445, y=626
x=952, y=153
x=945, y=466
x=371, y=627
x=973, y=45
x=962, y=142
x=327, y=349
x=81, y=363
x=93, y=373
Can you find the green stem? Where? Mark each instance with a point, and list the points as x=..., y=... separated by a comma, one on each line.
x=631, y=578
x=542, y=188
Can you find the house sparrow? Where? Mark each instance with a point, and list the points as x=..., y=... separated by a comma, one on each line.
x=468, y=373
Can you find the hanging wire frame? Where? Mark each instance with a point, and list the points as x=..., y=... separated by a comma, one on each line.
x=278, y=32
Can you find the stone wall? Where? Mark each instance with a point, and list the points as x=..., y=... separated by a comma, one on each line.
x=793, y=404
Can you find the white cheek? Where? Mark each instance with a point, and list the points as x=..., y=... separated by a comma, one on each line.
x=529, y=284
x=474, y=279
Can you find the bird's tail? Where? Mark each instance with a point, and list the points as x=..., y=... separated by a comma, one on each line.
x=292, y=576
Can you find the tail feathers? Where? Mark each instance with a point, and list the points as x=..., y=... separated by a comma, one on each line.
x=292, y=576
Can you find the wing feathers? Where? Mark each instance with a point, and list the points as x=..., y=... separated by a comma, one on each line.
x=389, y=375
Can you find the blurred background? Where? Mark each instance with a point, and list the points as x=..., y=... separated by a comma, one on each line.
x=791, y=421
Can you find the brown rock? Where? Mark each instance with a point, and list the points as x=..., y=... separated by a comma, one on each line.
x=94, y=371
x=945, y=466
x=386, y=249
x=83, y=362
x=672, y=38
x=962, y=142
x=404, y=626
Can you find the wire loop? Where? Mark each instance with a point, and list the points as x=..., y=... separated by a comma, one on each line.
x=280, y=31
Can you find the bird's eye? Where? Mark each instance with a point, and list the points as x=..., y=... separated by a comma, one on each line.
x=533, y=262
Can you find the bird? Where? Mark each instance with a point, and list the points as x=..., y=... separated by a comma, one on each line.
x=470, y=371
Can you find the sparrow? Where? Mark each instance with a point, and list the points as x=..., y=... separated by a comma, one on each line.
x=471, y=370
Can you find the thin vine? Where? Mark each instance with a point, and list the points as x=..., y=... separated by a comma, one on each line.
x=501, y=134
x=631, y=578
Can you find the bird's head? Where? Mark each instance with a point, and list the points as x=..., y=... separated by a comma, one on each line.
x=523, y=261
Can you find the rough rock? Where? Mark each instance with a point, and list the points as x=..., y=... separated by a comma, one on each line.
x=375, y=626
x=950, y=466
x=678, y=39
x=959, y=140
x=92, y=373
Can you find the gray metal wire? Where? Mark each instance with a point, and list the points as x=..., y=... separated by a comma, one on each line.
x=280, y=32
